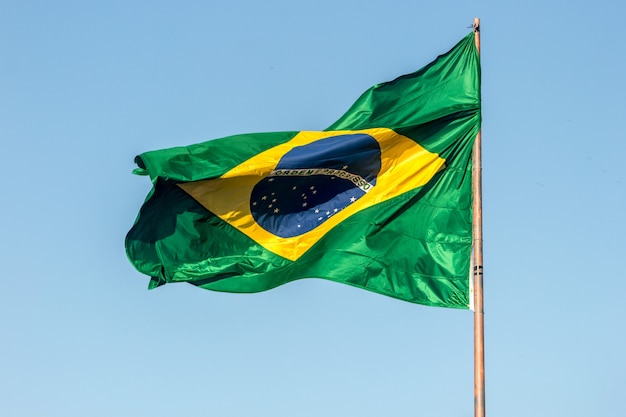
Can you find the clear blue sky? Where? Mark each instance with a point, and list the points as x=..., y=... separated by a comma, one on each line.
x=87, y=85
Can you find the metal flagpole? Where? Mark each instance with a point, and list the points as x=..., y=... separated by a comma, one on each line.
x=477, y=232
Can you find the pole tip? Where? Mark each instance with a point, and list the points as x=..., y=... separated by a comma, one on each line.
x=476, y=24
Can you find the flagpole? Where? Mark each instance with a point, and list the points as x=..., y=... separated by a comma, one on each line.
x=477, y=232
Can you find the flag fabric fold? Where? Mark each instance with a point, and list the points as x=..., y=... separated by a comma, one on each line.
x=380, y=200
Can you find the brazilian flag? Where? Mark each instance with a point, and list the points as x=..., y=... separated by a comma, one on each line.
x=380, y=200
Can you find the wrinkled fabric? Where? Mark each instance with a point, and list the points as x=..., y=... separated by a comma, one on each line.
x=414, y=245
